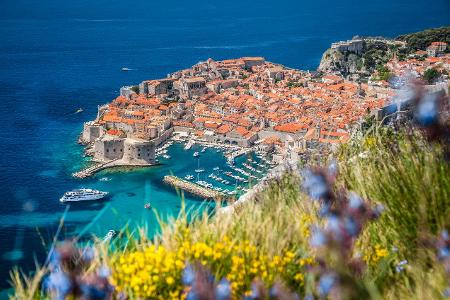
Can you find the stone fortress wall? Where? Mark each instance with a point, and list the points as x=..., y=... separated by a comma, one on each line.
x=108, y=148
x=91, y=132
x=138, y=152
x=128, y=150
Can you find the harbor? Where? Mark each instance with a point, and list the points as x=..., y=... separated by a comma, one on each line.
x=238, y=170
x=231, y=176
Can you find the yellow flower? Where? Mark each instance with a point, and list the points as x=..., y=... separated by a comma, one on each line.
x=170, y=280
x=174, y=294
x=299, y=277
x=179, y=264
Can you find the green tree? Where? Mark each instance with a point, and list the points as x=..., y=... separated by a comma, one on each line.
x=383, y=72
x=135, y=88
x=431, y=75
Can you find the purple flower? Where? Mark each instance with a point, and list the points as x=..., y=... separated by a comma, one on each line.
x=400, y=266
x=92, y=292
x=334, y=225
x=308, y=297
x=88, y=254
x=403, y=262
x=398, y=269
x=104, y=272
x=189, y=275
x=274, y=291
x=55, y=260
x=59, y=284
x=351, y=226
x=427, y=112
x=255, y=292
x=223, y=290
x=378, y=210
x=444, y=252
x=446, y=292
x=326, y=283
x=318, y=238
x=333, y=168
x=324, y=210
x=192, y=295
x=315, y=185
x=355, y=202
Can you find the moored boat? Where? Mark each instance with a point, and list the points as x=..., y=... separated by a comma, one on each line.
x=82, y=195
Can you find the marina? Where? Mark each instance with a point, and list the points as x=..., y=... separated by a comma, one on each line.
x=240, y=168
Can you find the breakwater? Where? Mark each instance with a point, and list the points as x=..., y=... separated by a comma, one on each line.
x=90, y=171
x=193, y=188
x=93, y=169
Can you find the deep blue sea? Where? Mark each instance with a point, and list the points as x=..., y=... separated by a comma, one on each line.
x=58, y=56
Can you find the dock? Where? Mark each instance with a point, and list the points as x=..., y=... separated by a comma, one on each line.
x=189, y=145
x=193, y=188
x=93, y=169
x=231, y=157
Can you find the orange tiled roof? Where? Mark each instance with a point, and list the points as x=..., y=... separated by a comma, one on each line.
x=224, y=129
x=290, y=127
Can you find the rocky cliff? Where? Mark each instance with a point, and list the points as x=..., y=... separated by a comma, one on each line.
x=344, y=59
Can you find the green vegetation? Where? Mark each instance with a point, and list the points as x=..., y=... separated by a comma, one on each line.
x=292, y=84
x=376, y=54
x=269, y=240
x=383, y=72
x=135, y=88
x=431, y=75
x=421, y=40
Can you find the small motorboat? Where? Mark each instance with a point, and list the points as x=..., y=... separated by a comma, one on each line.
x=109, y=235
x=126, y=69
x=147, y=206
x=80, y=110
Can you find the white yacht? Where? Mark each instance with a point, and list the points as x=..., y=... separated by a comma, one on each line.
x=195, y=154
x=82, y=195
x=109, y=235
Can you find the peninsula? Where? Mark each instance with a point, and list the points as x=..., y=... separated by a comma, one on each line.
x=254, y=104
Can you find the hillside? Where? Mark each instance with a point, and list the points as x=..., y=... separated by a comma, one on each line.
x=375, y=52
x=359, y=64
x=421, y=40
x=371, y=225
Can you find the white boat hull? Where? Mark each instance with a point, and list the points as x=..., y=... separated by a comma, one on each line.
x=83, y=198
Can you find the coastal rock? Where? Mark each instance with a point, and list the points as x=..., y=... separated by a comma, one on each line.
x=358, y=57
